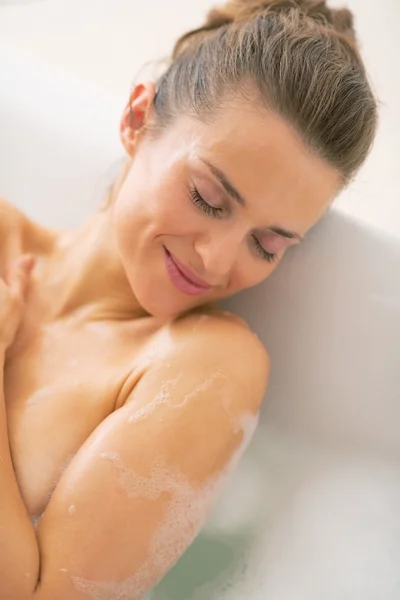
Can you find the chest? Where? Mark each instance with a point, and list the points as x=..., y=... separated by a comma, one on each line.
x=58, y=388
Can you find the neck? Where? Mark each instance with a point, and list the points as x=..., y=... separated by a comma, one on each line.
x=85, y=273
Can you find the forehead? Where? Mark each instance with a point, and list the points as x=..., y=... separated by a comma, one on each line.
x=268, y=163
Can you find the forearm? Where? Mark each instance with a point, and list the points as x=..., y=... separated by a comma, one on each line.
x=19, y=551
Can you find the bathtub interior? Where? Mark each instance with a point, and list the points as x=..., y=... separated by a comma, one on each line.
x=313, y=510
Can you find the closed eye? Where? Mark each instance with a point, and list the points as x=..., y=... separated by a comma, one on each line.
x=268, y=256
x=199, y=201
x=203, y=205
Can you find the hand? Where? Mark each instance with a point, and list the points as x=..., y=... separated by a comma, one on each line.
x=13, y=290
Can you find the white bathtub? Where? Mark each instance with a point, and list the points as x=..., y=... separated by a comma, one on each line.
x=313, y=513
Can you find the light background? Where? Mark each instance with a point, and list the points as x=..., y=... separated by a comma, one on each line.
x=106, y=42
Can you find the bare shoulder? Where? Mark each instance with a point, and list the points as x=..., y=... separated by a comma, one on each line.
x=222, y=330
x=217, y=345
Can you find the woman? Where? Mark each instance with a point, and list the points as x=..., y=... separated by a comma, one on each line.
x=128, y=395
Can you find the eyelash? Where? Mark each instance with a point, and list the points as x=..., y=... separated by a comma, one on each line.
x=216, y=212
x=203, y=205
x=268, y=256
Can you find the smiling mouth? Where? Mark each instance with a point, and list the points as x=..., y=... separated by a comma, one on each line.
x=182, y=278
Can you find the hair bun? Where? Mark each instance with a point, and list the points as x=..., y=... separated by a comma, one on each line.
x=237, y=10
x=243, y=10
x=343, y=20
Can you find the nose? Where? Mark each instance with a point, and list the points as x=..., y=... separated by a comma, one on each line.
x=219, y=254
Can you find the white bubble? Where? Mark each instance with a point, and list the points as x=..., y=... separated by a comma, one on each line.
x=162, y=397
x=200, y=388
x=200, y=320
x=185, y=513
x=113, y=456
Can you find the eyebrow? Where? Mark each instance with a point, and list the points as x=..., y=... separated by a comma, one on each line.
x=224, y=181
x=235, y=195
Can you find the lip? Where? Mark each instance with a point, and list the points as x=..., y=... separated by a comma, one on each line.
x=182, y=278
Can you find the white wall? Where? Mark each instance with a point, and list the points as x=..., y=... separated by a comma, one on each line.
x=106, y=42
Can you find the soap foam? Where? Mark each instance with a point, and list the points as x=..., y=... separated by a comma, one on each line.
x=200, y=320
x=185, y=513
x=164, y=396
x=200, y=388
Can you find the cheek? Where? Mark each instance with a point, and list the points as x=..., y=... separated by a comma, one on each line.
x=137, y=212
x=249, y=272
x=157, y=203
x=134, y=194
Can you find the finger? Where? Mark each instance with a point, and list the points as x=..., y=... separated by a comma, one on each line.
x=26, y=261
x=19, y=279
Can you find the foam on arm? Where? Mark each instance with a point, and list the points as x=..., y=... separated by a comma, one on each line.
x=143, y=484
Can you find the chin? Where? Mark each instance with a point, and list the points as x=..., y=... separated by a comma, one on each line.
x=157, y=296
x=159, y=303
x=163, y=304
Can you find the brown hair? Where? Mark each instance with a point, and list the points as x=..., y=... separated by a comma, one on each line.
x=301, y=56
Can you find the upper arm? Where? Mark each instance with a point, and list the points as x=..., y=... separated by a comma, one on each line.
x=138, y=491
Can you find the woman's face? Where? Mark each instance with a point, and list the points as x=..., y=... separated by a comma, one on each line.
x=208, y=210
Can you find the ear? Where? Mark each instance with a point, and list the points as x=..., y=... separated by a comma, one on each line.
x=136, y=114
